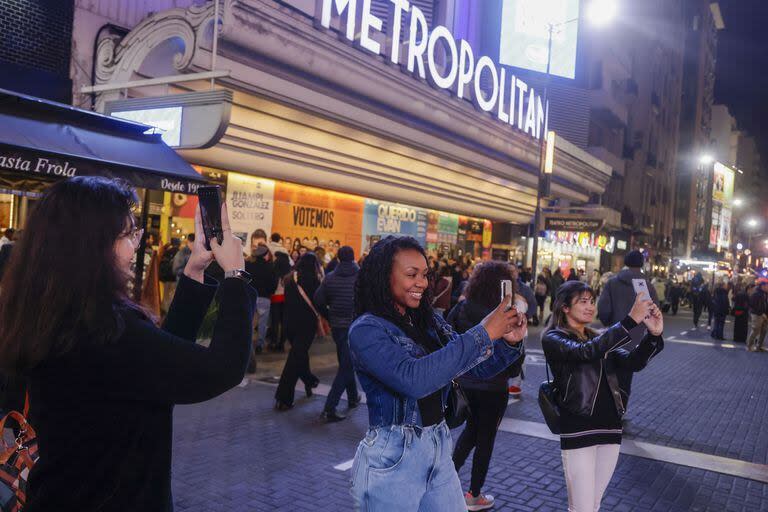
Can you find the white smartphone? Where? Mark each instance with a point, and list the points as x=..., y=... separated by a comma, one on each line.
x=506, y=290
x=641, y=286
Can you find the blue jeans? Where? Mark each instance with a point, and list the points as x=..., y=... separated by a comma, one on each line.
x=408, y=469
x=262, y=310
x=345, y=376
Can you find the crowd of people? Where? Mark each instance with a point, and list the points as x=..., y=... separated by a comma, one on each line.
x=427, y=337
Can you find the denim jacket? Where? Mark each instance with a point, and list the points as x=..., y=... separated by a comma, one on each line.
x=395, y=371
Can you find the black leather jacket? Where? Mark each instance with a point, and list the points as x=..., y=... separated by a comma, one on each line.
x=578, y=365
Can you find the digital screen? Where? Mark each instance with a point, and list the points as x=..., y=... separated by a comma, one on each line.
x=525, y=35
x=166, y=121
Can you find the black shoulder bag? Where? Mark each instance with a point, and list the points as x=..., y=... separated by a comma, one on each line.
x=457, y=408
x=548, y=403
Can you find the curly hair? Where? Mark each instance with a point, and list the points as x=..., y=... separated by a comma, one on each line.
x=484, y=287
x=373, y=293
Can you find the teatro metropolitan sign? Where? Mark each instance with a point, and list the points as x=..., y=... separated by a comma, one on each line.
x=419, y=51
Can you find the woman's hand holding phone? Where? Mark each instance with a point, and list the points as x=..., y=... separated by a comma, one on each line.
x=503, y=320
x=654, y=321
x=229, y=255
x=200, y=257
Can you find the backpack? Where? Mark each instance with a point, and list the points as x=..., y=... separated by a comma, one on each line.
x=166, y=264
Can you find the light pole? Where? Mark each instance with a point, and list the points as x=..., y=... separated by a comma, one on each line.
x=600, y=12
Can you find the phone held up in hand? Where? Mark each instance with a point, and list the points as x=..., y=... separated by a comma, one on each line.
x=641, y=286
x=507, y=289
x=210, y=213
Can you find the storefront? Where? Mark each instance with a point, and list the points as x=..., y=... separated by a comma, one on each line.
x=42, y=142
x=390, y=151
x=581, y=251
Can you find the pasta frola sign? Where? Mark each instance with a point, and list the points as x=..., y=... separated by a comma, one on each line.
x=419, y=51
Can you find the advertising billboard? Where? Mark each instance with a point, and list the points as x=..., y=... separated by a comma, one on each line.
x=722, y=204
x=525, y=34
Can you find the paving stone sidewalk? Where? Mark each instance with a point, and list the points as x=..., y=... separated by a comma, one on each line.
x=235, y=454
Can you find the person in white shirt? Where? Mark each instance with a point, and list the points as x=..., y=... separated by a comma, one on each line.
x=7, y=236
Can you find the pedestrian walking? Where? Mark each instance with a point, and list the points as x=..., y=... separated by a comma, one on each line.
x=741, y=314
x=262, y=270
x=557, y=280
x=8, y=236
x=103, y=378
x=541, y=291
x=592, y=375
x=441, y=301
x=758, y=313
x=487, y=397
x=276, y=330
x=335, y=300
x=675, y=294
x=406, y=357
x=618, y=294
x=594, y=281
x=573, y=275
x=300, y=329
x=697, y=297
x=720, y=308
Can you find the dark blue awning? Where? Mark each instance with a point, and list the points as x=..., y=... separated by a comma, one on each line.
x=43, y=140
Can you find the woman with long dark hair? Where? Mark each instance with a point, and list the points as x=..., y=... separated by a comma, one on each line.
x=592, y=377
x=300, y=329
x=406, y=357
x=487, y=397
x=103, y=378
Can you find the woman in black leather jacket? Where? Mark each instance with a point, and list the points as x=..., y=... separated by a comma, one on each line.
x=592, y=374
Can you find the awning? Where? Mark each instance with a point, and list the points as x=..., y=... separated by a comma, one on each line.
x=42, y=141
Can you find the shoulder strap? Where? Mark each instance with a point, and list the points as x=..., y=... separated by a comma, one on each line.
x=26, y=403
x=304, y=295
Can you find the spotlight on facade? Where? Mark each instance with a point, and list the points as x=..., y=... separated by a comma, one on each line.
x=752, y=223
x=738, y=202
x=601, y=12
x=706, y=159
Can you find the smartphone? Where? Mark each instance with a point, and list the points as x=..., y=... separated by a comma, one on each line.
x=507, y=289
x=521, y=305
x=641, y=286
x=210, y=213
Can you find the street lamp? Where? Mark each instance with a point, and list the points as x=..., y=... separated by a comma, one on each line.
x=599, y=13
x=738, y=202
x=706, y=159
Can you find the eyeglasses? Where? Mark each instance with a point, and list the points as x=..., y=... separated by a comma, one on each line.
x=135, y=235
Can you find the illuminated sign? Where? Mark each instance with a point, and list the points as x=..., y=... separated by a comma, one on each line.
x=525, y=35
x=722, y=203
x=166, y=121
x=421, y=52
x=585, y=240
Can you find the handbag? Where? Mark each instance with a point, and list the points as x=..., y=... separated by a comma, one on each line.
x=323, y=327
x=16, y=460
x=548, y=403
x=457, y=409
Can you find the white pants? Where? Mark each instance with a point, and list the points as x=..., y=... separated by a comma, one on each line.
x=587, y=474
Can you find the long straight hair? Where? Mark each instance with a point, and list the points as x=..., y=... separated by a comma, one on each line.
x=63, y=285
x=566, y=295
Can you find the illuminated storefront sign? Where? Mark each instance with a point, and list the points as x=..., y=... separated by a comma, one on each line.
x=420, y=52
x=585, y=240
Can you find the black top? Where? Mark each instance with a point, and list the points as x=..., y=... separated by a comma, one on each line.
x=263, y=276
x=430, y=406
x=104, y=413
x=603, y=427
x=335, y=298
x=299, y=320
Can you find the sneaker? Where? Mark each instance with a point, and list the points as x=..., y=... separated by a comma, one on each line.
x=244, y=382
x=762, y=349
x=482, y=502
x=515, y=392
x=352, y=404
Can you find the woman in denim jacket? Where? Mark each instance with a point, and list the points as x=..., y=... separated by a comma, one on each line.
x=406, y=357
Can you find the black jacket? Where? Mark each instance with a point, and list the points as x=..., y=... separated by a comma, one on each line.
x=335, y=298
x=263, y=275
x=578, y=366
x=104, y=412
x=462, y=318
x=721, y=306
x=758, y=302
x=299, y=321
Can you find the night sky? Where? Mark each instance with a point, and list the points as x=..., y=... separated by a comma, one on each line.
x=742, y=67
